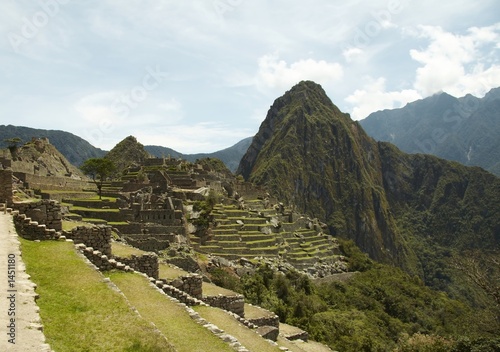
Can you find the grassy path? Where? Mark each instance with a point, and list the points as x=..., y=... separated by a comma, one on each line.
x=170, y=318
x=78, y=309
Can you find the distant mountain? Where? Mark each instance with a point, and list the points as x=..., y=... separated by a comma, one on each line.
x=230, y=156
x=417, y=211
x=77, y=150
x=464, y=129
x=127, y=152
x=74, y=148
x=39, y=157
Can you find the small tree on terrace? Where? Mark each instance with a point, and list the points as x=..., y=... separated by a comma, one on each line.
x=12, y=144
x=98, y=169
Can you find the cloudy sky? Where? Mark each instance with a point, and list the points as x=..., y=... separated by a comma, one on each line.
x=200, y=75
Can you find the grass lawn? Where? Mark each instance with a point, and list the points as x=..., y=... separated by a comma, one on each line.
x=78, y=309
x=170, y=318
x=248, y=338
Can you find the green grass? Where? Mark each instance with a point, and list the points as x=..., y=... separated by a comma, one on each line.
x=214, y=290
x=115, y=223
x=70, y=225
x=95, y=198
x=248, y=338
x=121, y=250
x=95, y=210
x=78, y=309
x=95, y=221
x=169, y=272
x=170, y=318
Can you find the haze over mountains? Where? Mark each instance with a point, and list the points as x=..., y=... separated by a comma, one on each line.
x=465, y=129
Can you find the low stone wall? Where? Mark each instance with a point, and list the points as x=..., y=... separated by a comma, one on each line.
x=98, y=237
x=266, y=321
x=302, y=335
x=191, y=284
x=46, y=212
x=32, y=230
x=147, y=263
x=174, y=292
x=235, y=304
x=100, y=260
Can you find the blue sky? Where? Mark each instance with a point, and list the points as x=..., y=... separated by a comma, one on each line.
x=200, y=75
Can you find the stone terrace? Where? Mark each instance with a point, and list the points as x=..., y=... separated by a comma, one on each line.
x=265, y=233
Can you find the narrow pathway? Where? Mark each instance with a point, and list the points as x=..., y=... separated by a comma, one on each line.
x=20, y=325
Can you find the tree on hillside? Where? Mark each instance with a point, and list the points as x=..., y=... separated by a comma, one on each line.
x=99, y=169
x=12, y=144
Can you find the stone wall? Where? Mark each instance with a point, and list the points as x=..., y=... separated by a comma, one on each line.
x=52, y=182
x=98, y=237
x=100, y=260
x=272, y=320
x=235, y=304
x=45, y=212
x=6, y=186
x=32, y=230
x=146, y=263
x=191, y=284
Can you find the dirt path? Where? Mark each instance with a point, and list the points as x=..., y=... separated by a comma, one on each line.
x=19, y=318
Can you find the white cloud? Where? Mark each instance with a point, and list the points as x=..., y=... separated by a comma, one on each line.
x=457, y=64
x=373, y=97
x=276, y=73
x=351, y=54
x=196, y=138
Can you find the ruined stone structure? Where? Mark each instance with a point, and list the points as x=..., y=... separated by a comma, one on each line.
x=98, y=237
x=191, y=284
x=146, y=263
x=44, y=212
x=32, y=230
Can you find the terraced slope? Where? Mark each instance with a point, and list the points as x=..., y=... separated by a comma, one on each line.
x=74, y=320
x=261, y=232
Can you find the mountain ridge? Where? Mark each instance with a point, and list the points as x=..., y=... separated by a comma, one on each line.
x=77, y=149
x=465, y=129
